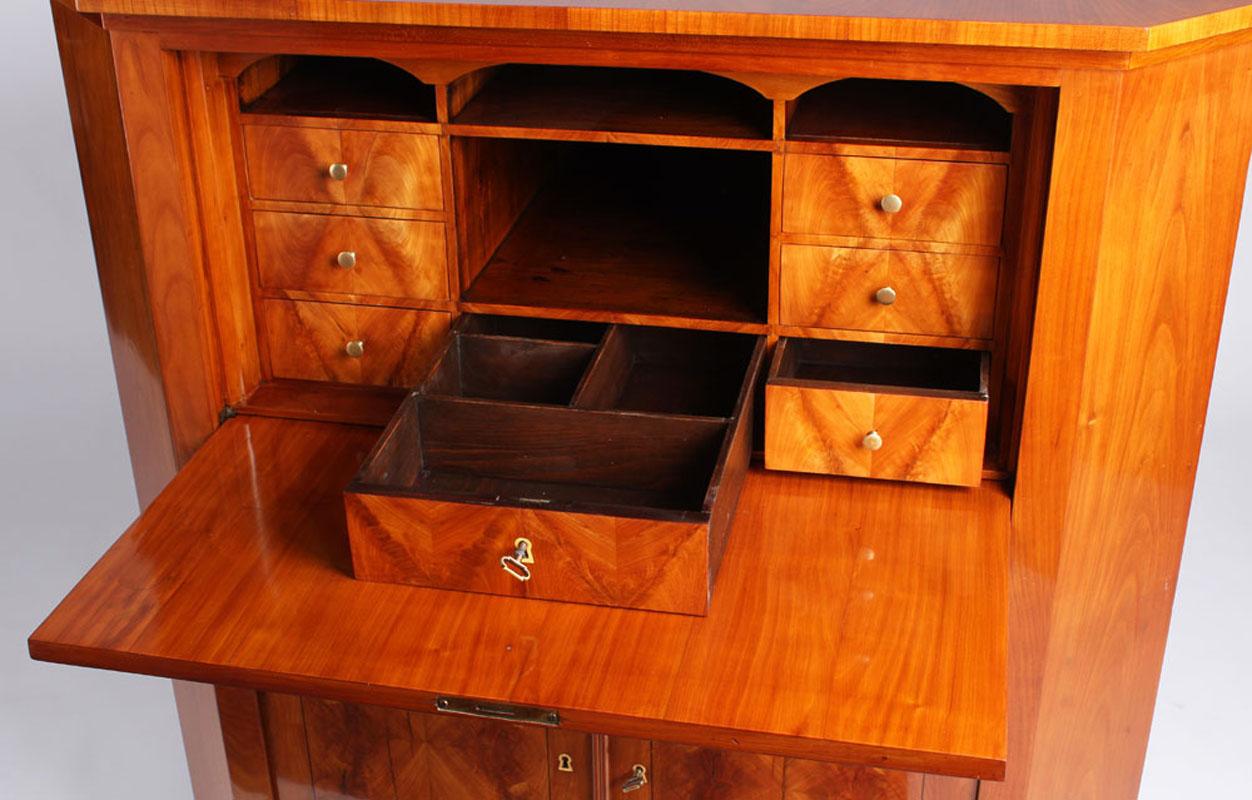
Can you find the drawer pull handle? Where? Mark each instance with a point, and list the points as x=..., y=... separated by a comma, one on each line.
x=872, y=441
x=346, y=259
x=338, y=171
x=636, y=780
x=515, y=563
x=885, y=296
x=891, y=203
x=355, y=348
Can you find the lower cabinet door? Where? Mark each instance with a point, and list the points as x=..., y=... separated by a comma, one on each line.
x=327, y=750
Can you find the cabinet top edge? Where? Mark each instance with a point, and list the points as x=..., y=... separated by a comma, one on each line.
x=1098, y=25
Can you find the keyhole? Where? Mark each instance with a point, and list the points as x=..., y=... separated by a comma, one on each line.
x=564, y=763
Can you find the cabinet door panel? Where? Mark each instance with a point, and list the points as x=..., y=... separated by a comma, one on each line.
x=681, y=772
x=818, y=780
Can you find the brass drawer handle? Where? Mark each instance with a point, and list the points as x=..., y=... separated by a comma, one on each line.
x=515, y=563
x=355, y=348
x=346, y=259
x=338, y=171
x=885, y=296
x=872, y=441
x=636, y=780
x=891, y=203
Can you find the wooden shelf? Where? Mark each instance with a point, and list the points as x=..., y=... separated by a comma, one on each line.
x=545, y=101
x=902, y=114
x=347, y=88
x=632, y=239
x=854, y=621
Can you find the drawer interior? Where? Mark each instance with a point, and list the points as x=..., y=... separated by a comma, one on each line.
x=878, y=367
x=638, y=424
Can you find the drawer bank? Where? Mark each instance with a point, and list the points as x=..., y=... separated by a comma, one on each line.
x=751, y=402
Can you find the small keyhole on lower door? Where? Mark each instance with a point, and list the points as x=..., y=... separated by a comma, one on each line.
x=564, y=763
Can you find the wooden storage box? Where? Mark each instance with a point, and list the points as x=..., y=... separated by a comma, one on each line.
x=532, y=462
x=877, y=411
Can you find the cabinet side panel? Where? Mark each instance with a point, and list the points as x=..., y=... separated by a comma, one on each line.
x=96, y=116
x=1111, y=441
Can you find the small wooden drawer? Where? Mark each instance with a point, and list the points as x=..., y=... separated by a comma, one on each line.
x=393, y=170
x=894, y=291
x=350, y=343
x=352, y=255
x=939, y=201
x=537, y=467
x=877, y=411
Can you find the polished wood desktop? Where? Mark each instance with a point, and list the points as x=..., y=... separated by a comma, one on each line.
x=655, y=399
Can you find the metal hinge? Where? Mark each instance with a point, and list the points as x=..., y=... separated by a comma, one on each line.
x=480, y=708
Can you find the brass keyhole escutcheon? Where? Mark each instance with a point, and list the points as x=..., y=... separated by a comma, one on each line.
x=564, y=763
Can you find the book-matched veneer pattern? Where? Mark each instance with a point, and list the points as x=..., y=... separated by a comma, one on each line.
x=394, y=170
x=351, y=255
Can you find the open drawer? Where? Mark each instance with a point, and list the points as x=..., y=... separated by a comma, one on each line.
x=877, y=411
x=534, y=462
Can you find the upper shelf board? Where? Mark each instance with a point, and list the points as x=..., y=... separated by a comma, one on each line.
x=855, y=621
x=1108, y=25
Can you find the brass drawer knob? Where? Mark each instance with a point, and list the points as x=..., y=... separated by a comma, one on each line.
x=355, y=348
x=891, y=203
x=885, y=296
x=346, y=259
x=338, y=172
x=872, y=441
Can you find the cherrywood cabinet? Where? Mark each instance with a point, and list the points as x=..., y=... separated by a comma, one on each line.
x=731, y=402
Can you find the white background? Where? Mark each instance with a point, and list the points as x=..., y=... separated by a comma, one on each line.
x=67, y=493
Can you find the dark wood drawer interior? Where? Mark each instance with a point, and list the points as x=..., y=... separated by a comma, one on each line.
x=617, y=463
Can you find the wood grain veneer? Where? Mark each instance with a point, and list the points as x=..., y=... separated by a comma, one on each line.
x=395, y=170
x=943, y=201
x=393, y=258
x=935, y=293
x=308, y=341
x=1141, y=26
x=239, y=573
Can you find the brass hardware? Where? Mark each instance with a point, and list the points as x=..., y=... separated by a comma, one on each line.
x=346, y=259
x=355, y=348
x=479, y=708
x=515, y=563
x=886, y=295
x=338, y=172
x=564, y=763
x=638, y=777
x=891, y=203
x=872, y=441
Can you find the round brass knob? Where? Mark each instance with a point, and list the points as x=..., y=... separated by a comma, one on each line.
x=338, y=172
x=872, y=441
x=891, y=203
x=346, y=259
x=886, y=296
x=355, y=348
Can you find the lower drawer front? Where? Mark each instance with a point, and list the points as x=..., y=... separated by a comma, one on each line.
x=585, y=558
x=869, y=435
x=890, y=291
x=352, y=255
x=349, y=343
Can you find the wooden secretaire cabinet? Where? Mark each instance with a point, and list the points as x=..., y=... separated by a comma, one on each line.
x=720, y=401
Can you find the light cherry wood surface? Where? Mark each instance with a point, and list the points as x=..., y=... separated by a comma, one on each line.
x=1148, y=25
x=239, y=573
x=391, y=258
x=942, y=201
x=940, y=294
x=393, y=170
x=310, y=341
